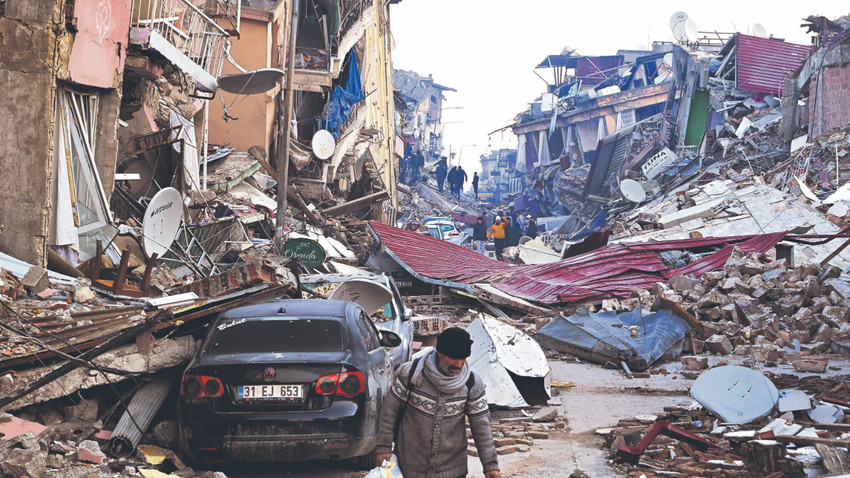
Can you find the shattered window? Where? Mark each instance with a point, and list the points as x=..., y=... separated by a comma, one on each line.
x=273, y=335
x=79, y=180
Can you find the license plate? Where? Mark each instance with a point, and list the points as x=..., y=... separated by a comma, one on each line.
x=252, y=392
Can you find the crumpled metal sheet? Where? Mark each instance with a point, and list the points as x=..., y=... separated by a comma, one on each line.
x=511, y=364
x=607, y=337
x=614, y=270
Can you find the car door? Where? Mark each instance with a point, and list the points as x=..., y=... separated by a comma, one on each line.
x=381, y=365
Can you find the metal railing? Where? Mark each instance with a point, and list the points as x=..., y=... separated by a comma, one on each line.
x=187, y=28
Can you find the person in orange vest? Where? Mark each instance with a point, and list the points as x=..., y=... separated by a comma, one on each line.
x=497, y=232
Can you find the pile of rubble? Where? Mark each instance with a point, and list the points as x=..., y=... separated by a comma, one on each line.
x=71, y=445
x=517, y=434
x=802, y=436
x=765, y=307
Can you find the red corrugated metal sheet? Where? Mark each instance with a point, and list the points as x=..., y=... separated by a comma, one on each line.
x=435, y=258
x=763, y=64
x=611, y=271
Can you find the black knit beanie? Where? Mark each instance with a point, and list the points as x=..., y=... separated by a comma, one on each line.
x=454, y=342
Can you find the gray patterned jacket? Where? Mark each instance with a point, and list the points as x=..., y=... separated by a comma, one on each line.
x=431, y=441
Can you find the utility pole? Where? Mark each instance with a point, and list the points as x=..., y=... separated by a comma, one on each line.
x=286, y=127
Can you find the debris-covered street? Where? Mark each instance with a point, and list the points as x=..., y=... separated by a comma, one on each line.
x=307, y=238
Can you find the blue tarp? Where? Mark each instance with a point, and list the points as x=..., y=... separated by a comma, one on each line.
x=605, y=337
x=342, y=99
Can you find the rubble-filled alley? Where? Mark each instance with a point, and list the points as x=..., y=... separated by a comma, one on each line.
x=227, y=227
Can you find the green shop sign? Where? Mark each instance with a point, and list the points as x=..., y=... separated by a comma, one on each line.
x=307, y=251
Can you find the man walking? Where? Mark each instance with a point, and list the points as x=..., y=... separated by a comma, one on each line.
x=479, y=235
x=429, y=399
x=442, y=169
x=460, y=178
x=452, y=180
x=497, y=232
x=475, y=183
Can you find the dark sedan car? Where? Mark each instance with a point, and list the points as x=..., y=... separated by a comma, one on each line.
x=286, y=380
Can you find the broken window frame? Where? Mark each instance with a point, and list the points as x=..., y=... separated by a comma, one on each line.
x=76, y=132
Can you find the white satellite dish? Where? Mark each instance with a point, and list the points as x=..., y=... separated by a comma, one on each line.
x=679, y=32
x=632, y=190
x=677, y=17
x=367, y=293
x=691, y=30
x=759, y=30
x=162, y=221
x=323, y=144
x=668, y=60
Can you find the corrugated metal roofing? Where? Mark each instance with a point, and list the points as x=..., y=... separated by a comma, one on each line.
x=611, y=271
x=763, y=64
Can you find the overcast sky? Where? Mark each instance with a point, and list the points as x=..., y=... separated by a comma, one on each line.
x=487, y=50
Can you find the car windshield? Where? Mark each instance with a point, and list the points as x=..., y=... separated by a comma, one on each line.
x=276, y=334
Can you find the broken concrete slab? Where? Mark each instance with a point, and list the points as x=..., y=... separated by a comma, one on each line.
x=166, y=353
x=22, y=463
x=693, y=363
x=810, y=365
x=546, y=414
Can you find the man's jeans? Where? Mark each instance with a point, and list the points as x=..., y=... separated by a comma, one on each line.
x=479, y=247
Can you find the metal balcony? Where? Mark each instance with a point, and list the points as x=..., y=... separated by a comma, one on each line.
x=186, y=35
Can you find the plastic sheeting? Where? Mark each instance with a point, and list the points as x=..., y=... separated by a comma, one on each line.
x=342, y=99
x=607, y=336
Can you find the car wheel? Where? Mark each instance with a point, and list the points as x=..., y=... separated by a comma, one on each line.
x=367, y=461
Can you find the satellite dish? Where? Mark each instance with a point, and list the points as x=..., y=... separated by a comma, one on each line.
x=323, y=144
x=679, y=32
x=366, y=293
x=162, y=221
x=677, y=17
x=632, y=190
x=668, y=60
x=251, y=82
x=759, y=30
x=691, y=30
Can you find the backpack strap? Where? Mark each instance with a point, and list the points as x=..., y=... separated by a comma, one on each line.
x=470, y=382
x=406, y=394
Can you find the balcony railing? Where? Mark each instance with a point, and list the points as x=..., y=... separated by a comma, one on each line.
x=184, y=34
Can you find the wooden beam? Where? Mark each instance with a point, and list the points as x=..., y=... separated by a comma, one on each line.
x=260, y=155
x=356, y=204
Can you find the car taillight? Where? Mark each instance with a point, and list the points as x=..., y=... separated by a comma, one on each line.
x=198, y=386
x=347, y=384
x=454, y=233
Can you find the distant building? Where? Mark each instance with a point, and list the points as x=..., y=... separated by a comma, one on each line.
x=499, y=176
x=421, y=121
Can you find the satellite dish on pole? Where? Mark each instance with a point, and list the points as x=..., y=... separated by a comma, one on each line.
x=676, y=18
x=679, y=33
x=759, y=30
x=323, y=144
x=632, y=190
x=251, y=82
x=691, y=31
x=162, y=221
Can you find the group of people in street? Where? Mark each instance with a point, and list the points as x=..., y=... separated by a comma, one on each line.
x=456, y=178
x=505, y=232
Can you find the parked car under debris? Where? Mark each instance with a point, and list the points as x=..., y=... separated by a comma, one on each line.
x=286, y=380
x=383, y=301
